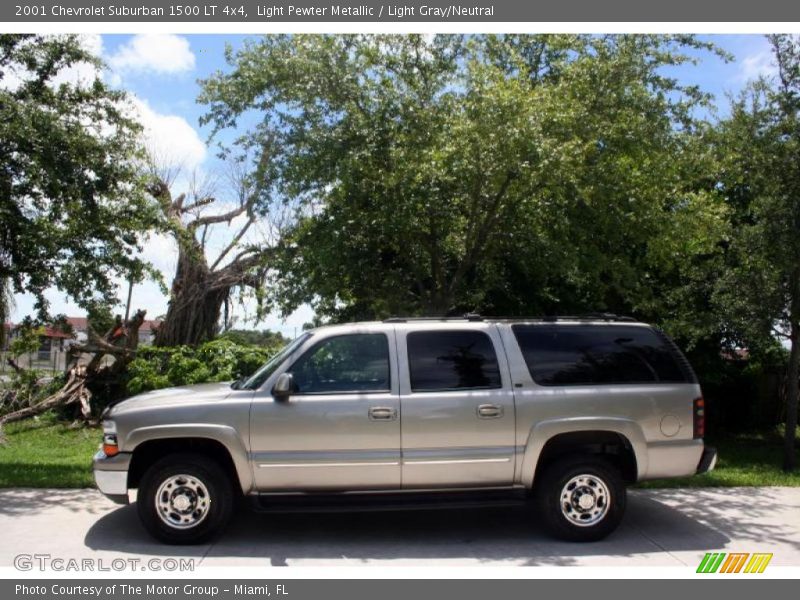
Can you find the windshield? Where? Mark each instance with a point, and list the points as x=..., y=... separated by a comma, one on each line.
x=259, y=377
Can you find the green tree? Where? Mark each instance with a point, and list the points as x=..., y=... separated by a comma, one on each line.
x=100, y=317
x=70, y=200
x=249, y=337
x=453, y=173
x=758, y=292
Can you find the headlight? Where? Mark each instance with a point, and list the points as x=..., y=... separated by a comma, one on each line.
x=109, y=427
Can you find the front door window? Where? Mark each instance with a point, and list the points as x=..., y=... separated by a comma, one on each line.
x=344, y=364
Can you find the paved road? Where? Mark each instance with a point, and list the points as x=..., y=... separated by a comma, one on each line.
x=661, y=528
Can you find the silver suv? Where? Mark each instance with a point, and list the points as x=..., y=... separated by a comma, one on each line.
x=560, y=413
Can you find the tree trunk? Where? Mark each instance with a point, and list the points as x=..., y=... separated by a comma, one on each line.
x=789, y=442
x=196, y=302
x=192, y=317
x=200, y=290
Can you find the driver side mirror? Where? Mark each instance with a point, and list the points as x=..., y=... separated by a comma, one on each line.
x=284, y=386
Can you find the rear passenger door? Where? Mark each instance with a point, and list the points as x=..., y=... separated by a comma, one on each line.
x=457, y=407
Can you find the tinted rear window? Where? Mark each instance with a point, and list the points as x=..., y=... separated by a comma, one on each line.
x=451, y=360
x=591, y=354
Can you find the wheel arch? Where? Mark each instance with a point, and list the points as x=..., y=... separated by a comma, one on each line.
x=621, y=440
x=218, y=442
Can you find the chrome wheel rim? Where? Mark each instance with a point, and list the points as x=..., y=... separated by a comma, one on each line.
x=182, y=501
x=585, y=500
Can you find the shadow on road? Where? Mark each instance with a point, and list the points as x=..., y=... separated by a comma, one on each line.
x=508, y=534
x=26, y=501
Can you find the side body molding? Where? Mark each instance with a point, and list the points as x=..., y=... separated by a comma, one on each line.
x=543, y=431
x=224, y=434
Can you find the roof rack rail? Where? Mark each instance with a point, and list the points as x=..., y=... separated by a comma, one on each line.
x=590, y=317
x=464, y=317
x=547, y=318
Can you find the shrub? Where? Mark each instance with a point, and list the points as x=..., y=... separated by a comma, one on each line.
x=219, y=360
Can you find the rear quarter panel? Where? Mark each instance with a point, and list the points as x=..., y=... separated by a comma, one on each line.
x=656, y=419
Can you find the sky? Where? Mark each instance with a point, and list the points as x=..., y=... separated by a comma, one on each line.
x=161, y=72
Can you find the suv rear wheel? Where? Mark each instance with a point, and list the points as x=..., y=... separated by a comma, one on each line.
x=185, y=499
x=580, y=498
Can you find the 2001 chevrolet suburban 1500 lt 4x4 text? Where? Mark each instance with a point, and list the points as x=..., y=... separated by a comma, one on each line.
x=558, y=412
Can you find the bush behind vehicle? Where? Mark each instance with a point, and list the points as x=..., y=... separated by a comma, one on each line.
x=220, y=360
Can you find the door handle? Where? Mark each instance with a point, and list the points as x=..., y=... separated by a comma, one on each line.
x=382, y=413
x=490, y=411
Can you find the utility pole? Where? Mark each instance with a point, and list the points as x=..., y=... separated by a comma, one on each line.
x=128, y=304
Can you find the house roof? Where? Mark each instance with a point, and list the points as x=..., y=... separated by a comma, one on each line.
x=78, y=323
x=151, y=324
x=82, y=324
x=48, y=331
x=57, y=333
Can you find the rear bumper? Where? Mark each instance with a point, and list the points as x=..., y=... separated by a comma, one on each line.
x=677, y=458
x=111, y=475
x=708, y=460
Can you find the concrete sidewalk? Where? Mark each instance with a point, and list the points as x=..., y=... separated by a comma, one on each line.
x=661, y=528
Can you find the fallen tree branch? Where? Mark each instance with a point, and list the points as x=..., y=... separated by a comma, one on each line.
x=77, y=389
x=14, y=365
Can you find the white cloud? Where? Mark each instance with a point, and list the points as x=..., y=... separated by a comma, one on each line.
x=83, y=74
x=161, y=251
x=169, y=138
x=79, y=74
x=155, y=53
x=759, y=64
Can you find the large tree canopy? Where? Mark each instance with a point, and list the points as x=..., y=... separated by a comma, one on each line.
x=507, y=174
x=758, y=290
x=70, y=200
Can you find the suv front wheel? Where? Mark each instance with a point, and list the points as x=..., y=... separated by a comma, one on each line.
x=185, y=499
x=580, y=498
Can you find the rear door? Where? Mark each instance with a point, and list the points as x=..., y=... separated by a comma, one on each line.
x=457, y=425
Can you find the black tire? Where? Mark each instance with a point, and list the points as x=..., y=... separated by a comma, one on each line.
x=208, y=486
x=583, y=524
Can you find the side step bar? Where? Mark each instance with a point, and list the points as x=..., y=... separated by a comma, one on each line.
x=321, y=502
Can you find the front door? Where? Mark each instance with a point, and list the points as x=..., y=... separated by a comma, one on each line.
x=340, y=429
x=458, y=407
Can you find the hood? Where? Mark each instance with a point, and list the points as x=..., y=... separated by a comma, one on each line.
x=199, y=393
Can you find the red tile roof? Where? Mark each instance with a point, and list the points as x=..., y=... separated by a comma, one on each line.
x=82, y=324
x=78, y=323
x=57, y=333
x=48, y=331
x=150, y=324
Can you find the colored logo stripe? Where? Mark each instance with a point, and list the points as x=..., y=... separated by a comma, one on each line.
x=735, y=561
x=758, y=562
x=711, y=562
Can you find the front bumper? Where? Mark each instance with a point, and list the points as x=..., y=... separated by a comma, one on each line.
x=111, y=475
x=708, y=460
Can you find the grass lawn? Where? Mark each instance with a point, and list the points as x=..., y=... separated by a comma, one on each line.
x=744, y=460
x=49, y=453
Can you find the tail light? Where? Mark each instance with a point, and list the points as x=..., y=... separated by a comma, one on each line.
x=699, y=412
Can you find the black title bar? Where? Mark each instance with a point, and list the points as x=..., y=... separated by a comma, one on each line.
x=437, y=11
